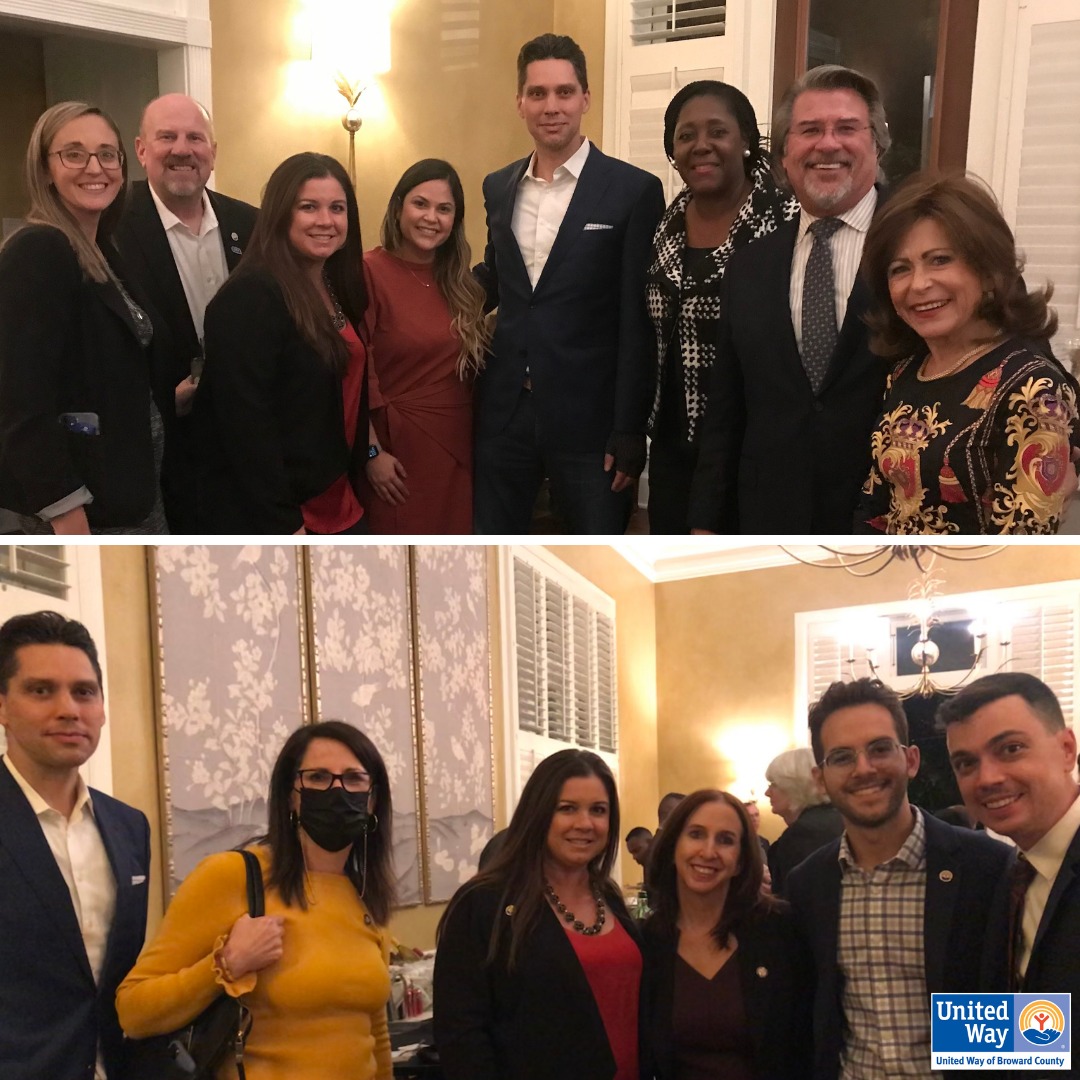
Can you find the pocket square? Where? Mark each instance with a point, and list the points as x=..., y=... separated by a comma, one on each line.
x=138, y=879
x=593, y=226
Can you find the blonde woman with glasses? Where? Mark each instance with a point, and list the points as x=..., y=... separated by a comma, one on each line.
x=428, y=340
x=80, y=438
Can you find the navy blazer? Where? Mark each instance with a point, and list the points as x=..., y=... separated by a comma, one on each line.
x=774, y=972
x=964, y=874
x=776, y=457
x=52, y=1015
x=69, y=345
x=583, y=334
x=1054, y=967
x=537, y=1022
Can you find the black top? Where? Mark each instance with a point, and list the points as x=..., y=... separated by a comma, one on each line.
x=712, y=1041
x=815, y=826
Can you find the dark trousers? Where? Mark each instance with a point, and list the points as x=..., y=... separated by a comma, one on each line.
x=671, y=472
x=511, y=466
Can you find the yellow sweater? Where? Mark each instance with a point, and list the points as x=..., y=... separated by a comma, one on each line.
x=319, y=1013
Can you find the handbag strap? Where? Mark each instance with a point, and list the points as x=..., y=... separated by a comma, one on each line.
x=255, y=898
x=256, y=908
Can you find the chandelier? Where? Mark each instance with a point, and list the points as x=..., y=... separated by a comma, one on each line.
x=925, y=595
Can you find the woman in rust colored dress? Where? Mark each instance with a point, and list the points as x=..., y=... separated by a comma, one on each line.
x=428, y=337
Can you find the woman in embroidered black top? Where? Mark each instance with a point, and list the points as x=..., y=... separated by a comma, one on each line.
x=729, y=199
x=978, y=416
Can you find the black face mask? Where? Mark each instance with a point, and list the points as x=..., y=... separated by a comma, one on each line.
x=334, y=818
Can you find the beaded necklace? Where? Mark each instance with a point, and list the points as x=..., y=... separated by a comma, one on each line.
x=572, y=919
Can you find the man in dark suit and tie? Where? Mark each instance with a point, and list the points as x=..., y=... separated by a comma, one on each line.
x=785, y=442
x=73, y=862
x=897, y=908
x=568, y=385
x=1015, y=761
x=179, y=241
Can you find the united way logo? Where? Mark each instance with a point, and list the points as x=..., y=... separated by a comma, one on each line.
x=995, y=1031
x=1042, y=1023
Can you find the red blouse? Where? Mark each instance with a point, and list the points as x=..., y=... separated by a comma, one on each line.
x=612, y=965
x=338, y=508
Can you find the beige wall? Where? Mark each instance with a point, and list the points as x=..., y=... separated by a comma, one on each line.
x=466, y=116
x=22, y=101
x=725, y=651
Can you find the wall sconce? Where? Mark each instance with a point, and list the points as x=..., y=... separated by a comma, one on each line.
x=350, y=41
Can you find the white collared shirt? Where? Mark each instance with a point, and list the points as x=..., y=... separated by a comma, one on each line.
x=1046, y=856
x=847, y=246
x=80, y=854
x=540, y=208
x=199, y=257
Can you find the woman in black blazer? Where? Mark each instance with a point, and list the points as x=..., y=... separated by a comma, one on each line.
x=726, y=993
x=279, y=407
x=538, y=968
x=80, y=439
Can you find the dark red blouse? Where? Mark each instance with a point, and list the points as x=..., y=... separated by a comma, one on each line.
x=612, y=965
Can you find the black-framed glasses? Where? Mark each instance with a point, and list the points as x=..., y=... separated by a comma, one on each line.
x=76, y=157
x=354, y=780
x=878, y=752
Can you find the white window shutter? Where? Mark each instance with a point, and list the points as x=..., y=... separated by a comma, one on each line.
x=1044, y=645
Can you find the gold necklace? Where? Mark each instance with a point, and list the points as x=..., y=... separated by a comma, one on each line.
x=970, y=355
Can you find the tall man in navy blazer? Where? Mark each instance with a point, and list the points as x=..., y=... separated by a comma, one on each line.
x=568, y=385
x=897, y=908
x=785, y=443
x=73, y=862
x=1015, y=761
x=180, y=240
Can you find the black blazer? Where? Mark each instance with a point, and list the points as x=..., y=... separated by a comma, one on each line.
x=537, y=1022
x=269, y=414
x=1054, y=966
x=815, y=826
x=774, y=973
x=776, y=457
x=68, y=344
x=583, y=334
x=144, y=245
x=964, y=873
x=51, y=1012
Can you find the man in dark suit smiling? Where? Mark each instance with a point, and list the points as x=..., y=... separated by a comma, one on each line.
x=73, y=862
x=785, y=442
x=567, y=389
x=179, y=241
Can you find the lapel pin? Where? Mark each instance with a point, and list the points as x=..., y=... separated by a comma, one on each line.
x=510, y=909
x=235, y=250
x=234, y=236
x=945, y=875
x=762, y=972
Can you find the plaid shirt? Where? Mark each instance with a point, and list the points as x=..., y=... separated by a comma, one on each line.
x=886, y=1005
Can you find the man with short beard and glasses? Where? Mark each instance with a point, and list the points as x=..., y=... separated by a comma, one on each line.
x=180, y=241
x=785, y=441
x=894, y=910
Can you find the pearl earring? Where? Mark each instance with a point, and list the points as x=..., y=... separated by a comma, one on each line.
x=746, y=153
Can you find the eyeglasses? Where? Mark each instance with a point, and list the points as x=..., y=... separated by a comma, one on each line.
x=843, y=131
x=354, y=780
x=878, y=752
x=75, y=157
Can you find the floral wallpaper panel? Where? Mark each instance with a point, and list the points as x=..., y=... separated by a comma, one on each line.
x=362, y=631
x=455, y=704
x=232, y=689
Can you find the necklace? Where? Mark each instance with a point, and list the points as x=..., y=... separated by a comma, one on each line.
x=986, y=346
x=339, y=316
x=572, y=919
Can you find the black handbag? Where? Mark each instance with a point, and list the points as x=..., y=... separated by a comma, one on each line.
x=195, y=1051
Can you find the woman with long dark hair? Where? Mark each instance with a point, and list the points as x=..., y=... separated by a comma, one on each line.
x=726, y=976
x=428, y=337
x=279, y=407
x=538, y=969
x=314, y=969
x=81, y=441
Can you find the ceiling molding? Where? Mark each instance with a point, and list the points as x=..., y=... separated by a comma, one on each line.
x=682, y=560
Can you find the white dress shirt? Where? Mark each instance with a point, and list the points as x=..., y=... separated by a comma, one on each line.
x=80, y=854
x=1046, y=857
x=199, y=257
x=847, y=246
x=540, y=208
